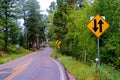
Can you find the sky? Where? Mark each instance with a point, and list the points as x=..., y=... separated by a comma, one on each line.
x=44, y=4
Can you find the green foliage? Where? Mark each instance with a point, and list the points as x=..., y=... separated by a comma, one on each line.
x=68, y=24
x=14, y=33
x=13, y=50
x=8, y=14
x=82, y=71
x=51, y=27
x=1, y=38
x=54, y=54
x=51, y=7
x=110, y=41
x=34, y=22
x=78, y=38
x=13, y=54
x=21, y=40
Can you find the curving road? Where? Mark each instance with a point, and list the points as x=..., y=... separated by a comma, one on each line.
x=36, y=66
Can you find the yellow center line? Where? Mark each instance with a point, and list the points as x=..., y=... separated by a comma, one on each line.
x=17, y=71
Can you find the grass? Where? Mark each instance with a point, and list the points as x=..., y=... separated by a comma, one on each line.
x=13, y=54
x=82, y=71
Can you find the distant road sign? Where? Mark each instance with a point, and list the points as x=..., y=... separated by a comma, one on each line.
x=17, y=46
x=58, y=42
x=98, y=25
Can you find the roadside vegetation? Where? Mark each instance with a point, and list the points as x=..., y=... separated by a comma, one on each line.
x=21, y=23
x=82, y=71
x=68, y=23
x=78, y=48
x=13, y=32
x=13, y=53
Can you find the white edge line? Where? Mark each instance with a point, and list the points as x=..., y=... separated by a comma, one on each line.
x=60, y=70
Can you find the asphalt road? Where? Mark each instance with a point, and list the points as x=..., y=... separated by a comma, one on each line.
x=35, y=66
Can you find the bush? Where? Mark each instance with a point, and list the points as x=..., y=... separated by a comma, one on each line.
x=13, y=53
x=13, y=50
x=83, y=71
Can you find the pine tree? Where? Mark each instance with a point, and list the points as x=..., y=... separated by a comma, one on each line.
x=33, y=20
x=8, y=13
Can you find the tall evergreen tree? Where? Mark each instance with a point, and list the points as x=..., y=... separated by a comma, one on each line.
x=23, y=7
x=1, y=36
x=33, y=19
x=8, y=12
x=51, y=7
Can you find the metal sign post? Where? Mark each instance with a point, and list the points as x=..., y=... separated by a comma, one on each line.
x=98, y=26
x=98, y=50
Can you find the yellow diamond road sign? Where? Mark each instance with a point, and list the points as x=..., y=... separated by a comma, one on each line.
x=98, y=25
x=58, y=42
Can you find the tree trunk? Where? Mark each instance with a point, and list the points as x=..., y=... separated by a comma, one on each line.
x=85, y=57
x=6, y=31
x=37, y=41
x=25, y=32
x=6, y=40
x=33, y=45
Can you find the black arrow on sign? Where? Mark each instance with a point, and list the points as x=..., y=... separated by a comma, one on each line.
x=57, y=42
x=100, y=22
x=95, y=26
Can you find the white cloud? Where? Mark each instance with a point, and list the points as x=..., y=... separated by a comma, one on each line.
x=44, y=4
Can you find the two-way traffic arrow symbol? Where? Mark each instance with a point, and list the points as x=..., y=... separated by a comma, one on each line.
x=95, y=28
x=95, y=25
x=100, y=23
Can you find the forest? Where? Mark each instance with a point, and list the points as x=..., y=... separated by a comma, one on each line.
x=66, y=21
x=21, y=23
